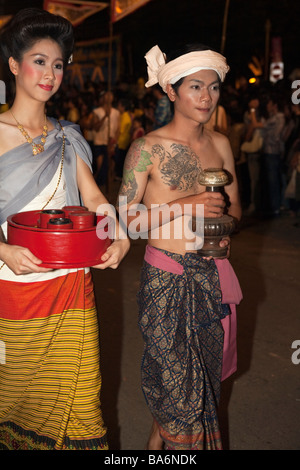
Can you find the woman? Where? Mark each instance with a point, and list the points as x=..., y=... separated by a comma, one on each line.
x=49, y=375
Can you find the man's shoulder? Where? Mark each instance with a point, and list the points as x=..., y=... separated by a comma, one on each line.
x=98, y=110
x=152, y=137
x=115, y=111
x=141, y=142
x=215, y=136
x=147, y=142
x=219, y=143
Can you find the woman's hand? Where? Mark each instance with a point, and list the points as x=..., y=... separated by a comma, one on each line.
x=114, y=254
x=20, y=260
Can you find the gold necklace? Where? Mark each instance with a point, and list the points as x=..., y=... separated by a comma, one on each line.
x=59, y=177
x=36, y=148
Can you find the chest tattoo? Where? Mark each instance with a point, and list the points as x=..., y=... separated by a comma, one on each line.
x=179, y=168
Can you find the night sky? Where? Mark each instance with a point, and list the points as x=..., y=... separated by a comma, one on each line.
x=170, y=23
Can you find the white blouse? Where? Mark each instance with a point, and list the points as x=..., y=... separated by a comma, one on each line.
x=58, y=201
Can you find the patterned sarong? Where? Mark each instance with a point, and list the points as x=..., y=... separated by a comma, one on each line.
x=180, y=318
x=49, y=368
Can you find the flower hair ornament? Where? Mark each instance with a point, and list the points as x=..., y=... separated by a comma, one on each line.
x=163, y=73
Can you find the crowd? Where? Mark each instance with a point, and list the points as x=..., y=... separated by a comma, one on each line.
x=260, y=120
x=263, y=128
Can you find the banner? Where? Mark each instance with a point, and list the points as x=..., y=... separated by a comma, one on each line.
x=277, y=65
x=69, y=10
x=121, y=8
x=91, y=61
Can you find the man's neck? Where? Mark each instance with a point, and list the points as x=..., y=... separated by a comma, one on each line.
x=187, y=130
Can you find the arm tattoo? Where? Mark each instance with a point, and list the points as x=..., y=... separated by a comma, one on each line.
x=180, y=168
x=137, y=159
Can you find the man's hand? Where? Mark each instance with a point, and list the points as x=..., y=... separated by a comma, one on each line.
x=214, y=203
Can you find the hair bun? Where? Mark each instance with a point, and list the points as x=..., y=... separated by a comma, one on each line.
x=30, y=25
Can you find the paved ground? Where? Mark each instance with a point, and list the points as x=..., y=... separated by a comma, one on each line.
x=261, y=403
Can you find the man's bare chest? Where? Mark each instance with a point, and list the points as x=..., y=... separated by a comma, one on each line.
x=177, y=167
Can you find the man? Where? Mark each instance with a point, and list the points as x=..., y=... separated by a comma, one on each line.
x=106, y=127
x=273, y=149
x=124, y=138
x=180, y=298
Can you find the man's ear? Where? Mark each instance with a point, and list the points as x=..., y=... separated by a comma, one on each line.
x=171, y=92
x=13, y=66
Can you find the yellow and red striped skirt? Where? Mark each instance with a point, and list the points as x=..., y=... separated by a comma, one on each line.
x=49, y=369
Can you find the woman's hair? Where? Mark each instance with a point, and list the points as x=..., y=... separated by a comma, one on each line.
x=30, y=25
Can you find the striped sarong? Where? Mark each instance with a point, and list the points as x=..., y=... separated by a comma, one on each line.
x=49, y=369
x=180, y=313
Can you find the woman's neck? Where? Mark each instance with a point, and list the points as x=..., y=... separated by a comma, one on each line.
x=31, y=116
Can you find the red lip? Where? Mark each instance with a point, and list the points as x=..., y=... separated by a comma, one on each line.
x=203, y=110
x=46, y=87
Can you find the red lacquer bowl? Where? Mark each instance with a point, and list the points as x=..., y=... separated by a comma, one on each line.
x=64, y=248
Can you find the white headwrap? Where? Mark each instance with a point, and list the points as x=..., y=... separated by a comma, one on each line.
x=163, y=73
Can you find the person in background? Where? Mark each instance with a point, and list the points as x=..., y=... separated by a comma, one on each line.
x=252, y=147
x=273, y=151
x=73, y=114
x=124, y=107
x=218, y=121
x=106, y=129
x=162, y=110
x=137, y=128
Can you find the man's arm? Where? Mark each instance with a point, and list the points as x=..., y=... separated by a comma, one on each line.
x=137, y=167
x=231, y=190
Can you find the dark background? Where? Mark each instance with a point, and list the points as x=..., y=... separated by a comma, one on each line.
x=169, y=23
